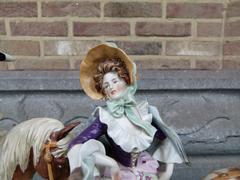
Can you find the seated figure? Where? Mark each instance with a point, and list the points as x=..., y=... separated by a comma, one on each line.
x=137, y=137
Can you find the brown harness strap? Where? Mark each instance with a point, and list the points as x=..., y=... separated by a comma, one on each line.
x=48, y=157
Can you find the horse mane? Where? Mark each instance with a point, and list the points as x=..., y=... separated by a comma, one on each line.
x=29, y=134
x=3, y=134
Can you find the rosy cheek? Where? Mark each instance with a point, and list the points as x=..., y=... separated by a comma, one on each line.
x=119, y=88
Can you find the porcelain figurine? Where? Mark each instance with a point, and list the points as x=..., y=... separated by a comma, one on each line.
x=137, y=137
x=6, y=57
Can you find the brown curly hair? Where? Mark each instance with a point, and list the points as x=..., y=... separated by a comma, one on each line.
x=110, y=65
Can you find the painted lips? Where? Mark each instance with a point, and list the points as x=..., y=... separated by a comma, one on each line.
x=113, y=92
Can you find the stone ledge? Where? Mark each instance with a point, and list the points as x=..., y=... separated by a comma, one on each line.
x=148, y=80
x=202, y=106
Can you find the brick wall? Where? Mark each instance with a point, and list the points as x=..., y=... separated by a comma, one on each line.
x=158, y=34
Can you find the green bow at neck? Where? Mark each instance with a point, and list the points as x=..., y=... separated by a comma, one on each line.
x=125, y=106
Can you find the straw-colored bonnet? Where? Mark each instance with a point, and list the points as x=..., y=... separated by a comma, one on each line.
x=96, y=55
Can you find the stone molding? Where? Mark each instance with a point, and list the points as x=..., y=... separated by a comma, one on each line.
x=202, y=106
x=148, y=80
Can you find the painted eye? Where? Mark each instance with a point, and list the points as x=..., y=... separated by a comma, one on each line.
x=106, y=86
x=115, y=82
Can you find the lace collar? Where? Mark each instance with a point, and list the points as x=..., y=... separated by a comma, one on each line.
x=128, y=136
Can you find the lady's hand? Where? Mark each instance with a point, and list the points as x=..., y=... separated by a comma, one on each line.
x=117, y=176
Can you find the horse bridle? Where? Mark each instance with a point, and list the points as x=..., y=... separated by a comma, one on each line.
x=48, y=157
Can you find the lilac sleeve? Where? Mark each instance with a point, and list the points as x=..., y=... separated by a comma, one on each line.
x=94, y=131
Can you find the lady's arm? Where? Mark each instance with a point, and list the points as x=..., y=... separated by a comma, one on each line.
x=86, y=152
x=172, y=145
x=94, y=131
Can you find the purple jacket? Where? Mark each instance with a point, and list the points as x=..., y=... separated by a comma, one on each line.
x=97, y=129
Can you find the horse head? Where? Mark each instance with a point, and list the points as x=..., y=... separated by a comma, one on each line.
x=53, y=163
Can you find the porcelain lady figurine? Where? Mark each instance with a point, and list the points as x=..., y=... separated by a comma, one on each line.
x=137, y=136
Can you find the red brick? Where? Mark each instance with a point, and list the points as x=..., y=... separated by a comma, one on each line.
x=163, y=29
x=132, y=9
x=209, y=29
x=2, y=28
x=39, y=28
x=48, y=64
x=18, y=9
x=207, y=65
x=193, y=48
x=101, y=28
x=231, y=64
x=232, y=48
x=20, y=48
x=194, y=10
x=163, y=64
x=73, y=48
x=232, y=28
x=80, y=9
x=233, y=9
x=3, y=66
x=140, y=47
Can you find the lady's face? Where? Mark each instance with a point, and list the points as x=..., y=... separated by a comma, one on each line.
x=113, y=85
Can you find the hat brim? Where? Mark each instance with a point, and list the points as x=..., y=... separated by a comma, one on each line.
x=88, y=67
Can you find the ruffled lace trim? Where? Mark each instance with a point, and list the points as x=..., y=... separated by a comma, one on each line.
x=129, y=138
